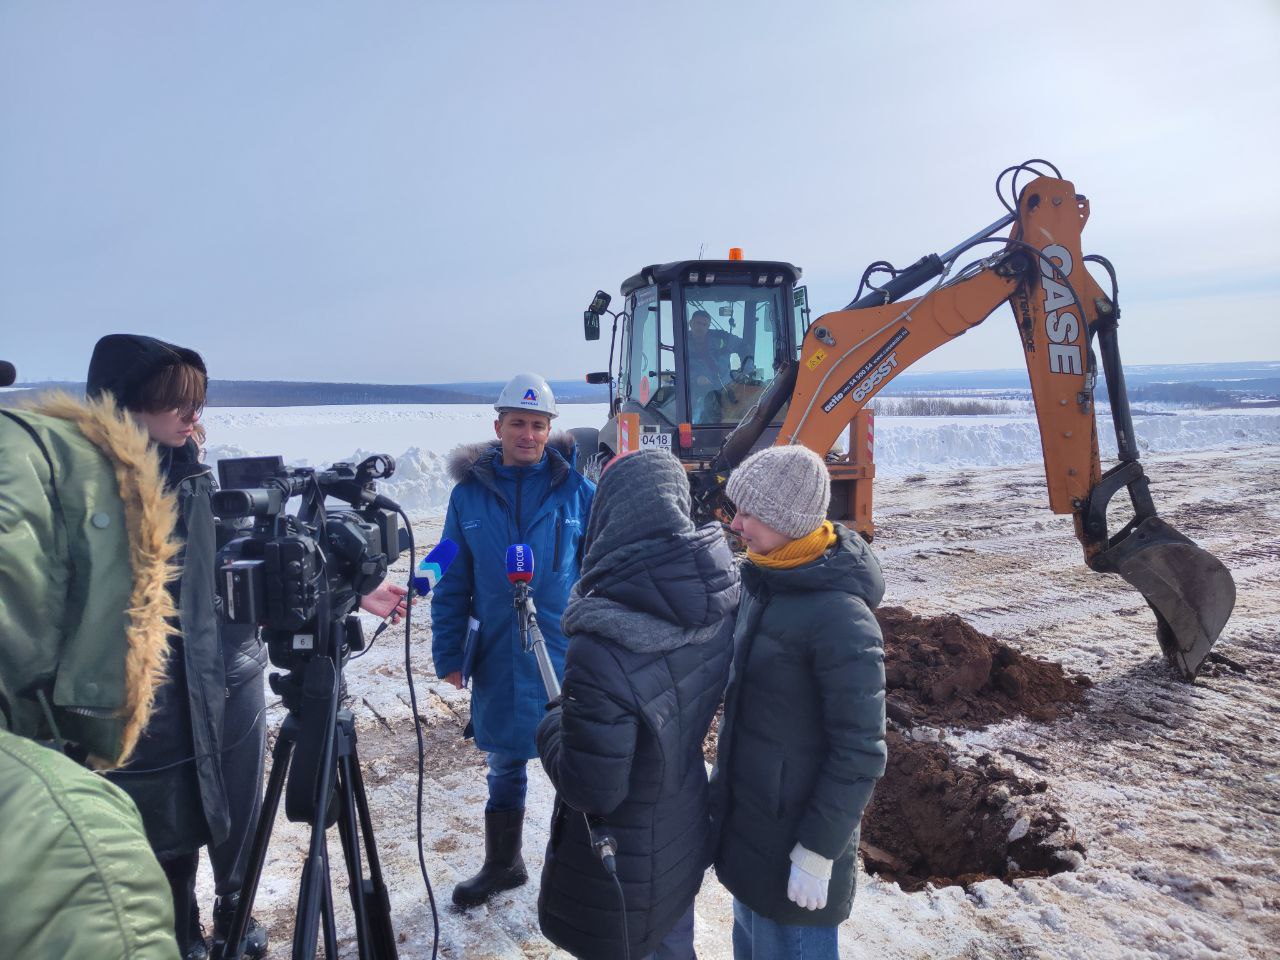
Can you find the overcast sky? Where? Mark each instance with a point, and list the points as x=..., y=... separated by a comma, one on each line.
x=416, y=192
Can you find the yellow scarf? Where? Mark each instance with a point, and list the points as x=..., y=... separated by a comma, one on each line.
x=798, y=552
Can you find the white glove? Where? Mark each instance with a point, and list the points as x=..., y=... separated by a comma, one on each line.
x=806, y=887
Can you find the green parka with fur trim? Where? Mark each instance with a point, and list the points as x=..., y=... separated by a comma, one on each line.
x=84, y=553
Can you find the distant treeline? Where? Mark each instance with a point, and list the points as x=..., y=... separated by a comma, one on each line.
x=1182, y=394
x=287, y=393
x=941, y=407
x=281, y=393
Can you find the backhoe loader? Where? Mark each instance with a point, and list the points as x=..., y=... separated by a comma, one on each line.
x=715, y=358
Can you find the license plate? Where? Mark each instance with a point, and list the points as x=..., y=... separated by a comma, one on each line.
x=660, y=440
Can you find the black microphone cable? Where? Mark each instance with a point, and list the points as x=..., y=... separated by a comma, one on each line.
x=132, y=772
x=606, y=849
x=417, y=730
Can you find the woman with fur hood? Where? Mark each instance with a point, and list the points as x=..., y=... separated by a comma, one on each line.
x=650, y=627
x=84, y=555
x=196, y=775
x=175, y=776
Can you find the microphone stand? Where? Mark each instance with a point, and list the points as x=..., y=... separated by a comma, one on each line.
x=531, y=638
x=602, y=842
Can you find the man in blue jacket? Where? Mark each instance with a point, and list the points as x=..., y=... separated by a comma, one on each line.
x=520, y=489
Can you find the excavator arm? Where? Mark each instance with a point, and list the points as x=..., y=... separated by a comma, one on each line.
x=1061, y=314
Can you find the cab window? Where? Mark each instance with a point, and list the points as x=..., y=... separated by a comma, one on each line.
x=650, y=375
x=734, y=348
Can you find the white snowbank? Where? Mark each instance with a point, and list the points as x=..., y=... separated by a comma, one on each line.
x=923, y=444
x=418, y=436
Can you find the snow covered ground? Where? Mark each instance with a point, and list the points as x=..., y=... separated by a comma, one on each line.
x=420, y=437
x=1174, y=790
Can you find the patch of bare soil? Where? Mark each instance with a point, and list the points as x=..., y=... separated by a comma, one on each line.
x=943, y=672
x=712, y=740
x=933, y=821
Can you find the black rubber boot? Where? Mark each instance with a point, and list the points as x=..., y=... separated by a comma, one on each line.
x=196, y=947
x=503, y=865
x=255, y=934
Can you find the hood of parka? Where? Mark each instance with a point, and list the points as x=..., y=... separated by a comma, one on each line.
x=122, y=362
x=650, y=580
x=85, y=552
x=468, y=460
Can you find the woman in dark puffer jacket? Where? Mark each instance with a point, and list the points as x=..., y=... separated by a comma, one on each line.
x=650, y=629
x=802, y=741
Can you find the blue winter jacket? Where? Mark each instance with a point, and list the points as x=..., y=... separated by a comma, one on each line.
x=507, y=696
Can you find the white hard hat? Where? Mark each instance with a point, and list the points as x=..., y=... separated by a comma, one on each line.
x=527, y=391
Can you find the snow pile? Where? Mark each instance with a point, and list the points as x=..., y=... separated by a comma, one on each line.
x=421, y=482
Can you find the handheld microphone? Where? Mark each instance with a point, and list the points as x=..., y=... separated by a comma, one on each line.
x=520, y=563
x=8, y=373
x=433, y=566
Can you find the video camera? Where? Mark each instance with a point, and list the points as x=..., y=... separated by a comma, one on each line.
x=300, y=576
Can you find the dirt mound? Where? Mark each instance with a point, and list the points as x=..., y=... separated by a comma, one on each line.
x=933, y=821
x=943, y=672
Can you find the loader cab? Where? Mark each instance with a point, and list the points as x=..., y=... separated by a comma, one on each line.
x=697, y=344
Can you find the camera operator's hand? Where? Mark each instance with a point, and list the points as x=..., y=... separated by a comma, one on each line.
x=386, y=599
x=455, y=678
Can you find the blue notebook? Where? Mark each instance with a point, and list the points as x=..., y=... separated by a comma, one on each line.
x=469, y=649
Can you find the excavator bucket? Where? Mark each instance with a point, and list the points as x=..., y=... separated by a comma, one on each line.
x=1188, y=588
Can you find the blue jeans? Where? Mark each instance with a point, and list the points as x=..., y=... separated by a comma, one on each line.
x=678, y=944
x=508, y=782
x=759, y=938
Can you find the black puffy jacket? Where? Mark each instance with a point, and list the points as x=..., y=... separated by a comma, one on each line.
x=627, y=744
x=183, y=806
x=802, y=740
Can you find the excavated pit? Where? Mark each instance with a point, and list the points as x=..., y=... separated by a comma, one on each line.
x=933, y=819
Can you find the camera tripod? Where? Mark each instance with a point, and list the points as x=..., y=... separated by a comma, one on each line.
x=325, y=787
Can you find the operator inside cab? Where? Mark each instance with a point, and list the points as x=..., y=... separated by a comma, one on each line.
x=710, y=364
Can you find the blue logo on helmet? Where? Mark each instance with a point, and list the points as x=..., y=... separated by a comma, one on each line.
x=530, y=396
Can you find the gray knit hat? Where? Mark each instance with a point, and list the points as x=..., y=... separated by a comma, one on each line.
x=786, y=488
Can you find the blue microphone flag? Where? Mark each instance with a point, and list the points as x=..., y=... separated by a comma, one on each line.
x=432, y=567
